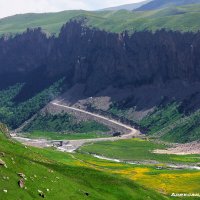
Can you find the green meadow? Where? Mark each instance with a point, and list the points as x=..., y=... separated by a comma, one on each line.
x=63, y=136
x=136, y=150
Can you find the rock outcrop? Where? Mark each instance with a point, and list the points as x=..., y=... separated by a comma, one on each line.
x=99, y=59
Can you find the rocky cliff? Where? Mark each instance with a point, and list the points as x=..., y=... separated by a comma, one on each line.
x=163, y=62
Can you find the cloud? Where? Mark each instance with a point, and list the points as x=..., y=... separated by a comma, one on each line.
x=11, y=7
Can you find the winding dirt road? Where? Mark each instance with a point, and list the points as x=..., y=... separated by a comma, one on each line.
x=72, y=145
x=133, y=131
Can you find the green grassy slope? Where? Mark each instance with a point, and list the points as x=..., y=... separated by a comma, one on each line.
x=187, y=129
x=171, y=125
x=160, y=118
x=59, y=176
x=177, y=18
x=63, y=122
x=14, y=114
x=63, y=126
x=50, y=21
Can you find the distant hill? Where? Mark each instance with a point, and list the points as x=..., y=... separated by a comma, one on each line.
x=158, y=4
x=182, y=18
x=132, y=6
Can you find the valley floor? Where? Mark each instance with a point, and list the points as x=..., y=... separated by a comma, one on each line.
x=67, y=145
x=111, y=168
x=161, y=179
x=32, y=173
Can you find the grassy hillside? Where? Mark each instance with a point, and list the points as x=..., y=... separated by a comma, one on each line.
x=63, y=122
x=170, y=124
x=58, y=175
x=14, y=114
x=185, y=130
x=176, y=18
x=161, y=117
x=63, y=126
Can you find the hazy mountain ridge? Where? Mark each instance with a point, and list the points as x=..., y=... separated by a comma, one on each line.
x=159, y=4
x=130, y=7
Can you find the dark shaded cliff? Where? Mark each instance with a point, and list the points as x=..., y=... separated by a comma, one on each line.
x=98, y=58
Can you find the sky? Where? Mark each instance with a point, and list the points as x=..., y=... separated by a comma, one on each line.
x=11, y=7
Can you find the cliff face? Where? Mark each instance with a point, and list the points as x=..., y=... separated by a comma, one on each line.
x=22, y=55
x=99, y=59
x=24, y=52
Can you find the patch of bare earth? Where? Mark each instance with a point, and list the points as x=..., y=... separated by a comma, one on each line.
x=181, y=149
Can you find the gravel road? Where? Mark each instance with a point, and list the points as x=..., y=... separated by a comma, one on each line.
x=72, y=145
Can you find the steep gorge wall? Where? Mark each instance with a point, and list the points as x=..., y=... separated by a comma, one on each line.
x=98, y=58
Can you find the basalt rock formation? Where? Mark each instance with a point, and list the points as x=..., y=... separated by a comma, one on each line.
x=162, y=64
